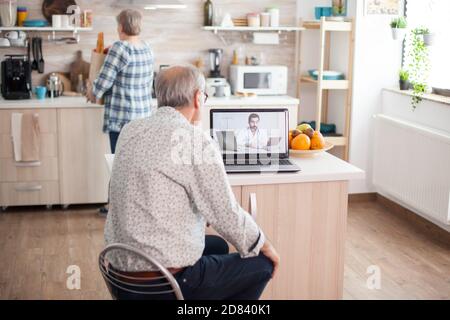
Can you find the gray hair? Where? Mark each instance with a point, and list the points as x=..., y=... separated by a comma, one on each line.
x=131, y=21
x=176, y=86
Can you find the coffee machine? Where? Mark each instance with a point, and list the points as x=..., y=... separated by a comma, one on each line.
x=16, y=77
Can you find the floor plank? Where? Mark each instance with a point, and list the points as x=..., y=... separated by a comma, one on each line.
x=37, y=246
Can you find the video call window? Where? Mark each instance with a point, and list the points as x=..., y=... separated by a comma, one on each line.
x=250, y=132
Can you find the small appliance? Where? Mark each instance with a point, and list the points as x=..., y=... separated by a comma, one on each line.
x=55, y=87
x=260, y=80
x=16, y=77
x=218, y=87
x=215, y=58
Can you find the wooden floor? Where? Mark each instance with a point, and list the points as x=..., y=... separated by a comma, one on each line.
x=37, y=247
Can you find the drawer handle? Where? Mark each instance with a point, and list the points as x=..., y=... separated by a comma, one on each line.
x=28, y=164
x=253, y=206
x=29, y=188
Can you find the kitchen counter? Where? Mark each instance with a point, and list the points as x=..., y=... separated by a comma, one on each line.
x=255, y=101
x=80, y=102
x=56, y=103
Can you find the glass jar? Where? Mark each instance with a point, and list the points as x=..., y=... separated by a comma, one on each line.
x=253, y=20
x=8, y=13
x=274, y=16
x=265, y=19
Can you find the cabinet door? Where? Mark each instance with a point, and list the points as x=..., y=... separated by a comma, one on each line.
x=306, y=224
x=82, y=147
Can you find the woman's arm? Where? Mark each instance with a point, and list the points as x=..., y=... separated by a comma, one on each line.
x=116, y=60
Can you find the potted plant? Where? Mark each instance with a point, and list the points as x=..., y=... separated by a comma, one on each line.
x=428, y=37
x=398, y=26
x=404, y=77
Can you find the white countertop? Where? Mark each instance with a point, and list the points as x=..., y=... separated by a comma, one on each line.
x=48, y=103
x=80, y=102
x=255, y=101
x=322, y=168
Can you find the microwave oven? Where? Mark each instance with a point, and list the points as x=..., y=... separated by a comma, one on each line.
x=261, y=80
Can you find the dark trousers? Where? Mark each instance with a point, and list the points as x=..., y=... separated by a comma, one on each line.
x=219, y=276
x=113, y=138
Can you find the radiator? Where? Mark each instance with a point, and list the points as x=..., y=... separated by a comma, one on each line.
x=412, y=165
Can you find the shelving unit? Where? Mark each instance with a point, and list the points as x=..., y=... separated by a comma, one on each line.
x=74, y=30
x=216, y=29
x=325, y=28
x=44, y=29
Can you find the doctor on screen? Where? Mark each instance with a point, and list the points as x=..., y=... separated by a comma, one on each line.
x=252, y=138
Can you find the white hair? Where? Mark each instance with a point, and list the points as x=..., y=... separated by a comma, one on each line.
x=176, y=86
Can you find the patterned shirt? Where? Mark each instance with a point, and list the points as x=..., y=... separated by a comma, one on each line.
x=167, y=181
x=125, y=81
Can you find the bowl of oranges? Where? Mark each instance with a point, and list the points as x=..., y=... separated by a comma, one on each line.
x=305, y=142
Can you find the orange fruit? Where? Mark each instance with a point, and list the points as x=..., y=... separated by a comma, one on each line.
x=292, y=135
x=317, y=141
x=301, y=142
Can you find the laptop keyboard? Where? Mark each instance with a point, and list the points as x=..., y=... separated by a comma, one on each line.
x=280, y=162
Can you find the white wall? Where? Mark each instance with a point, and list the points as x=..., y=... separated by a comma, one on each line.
x=377, y=61
x=376, y=64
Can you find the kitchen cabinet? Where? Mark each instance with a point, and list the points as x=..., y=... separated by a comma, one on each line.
x=71, y=169
x=84, y=175
x=306, y=223
x=34, y=183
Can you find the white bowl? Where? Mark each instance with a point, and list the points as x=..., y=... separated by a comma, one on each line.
x=18, y=43
x=4, y=42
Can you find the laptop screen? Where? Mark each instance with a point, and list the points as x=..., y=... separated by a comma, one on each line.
x=251, y=131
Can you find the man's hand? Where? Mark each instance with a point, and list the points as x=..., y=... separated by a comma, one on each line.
x=269, y=251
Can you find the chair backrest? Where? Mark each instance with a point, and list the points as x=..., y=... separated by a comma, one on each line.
x=137, y=285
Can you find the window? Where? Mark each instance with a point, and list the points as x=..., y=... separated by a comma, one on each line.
x=434, y=15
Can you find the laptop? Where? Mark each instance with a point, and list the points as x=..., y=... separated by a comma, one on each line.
x=253, y=140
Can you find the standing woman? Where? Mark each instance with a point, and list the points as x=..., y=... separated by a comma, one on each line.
x=125, y=80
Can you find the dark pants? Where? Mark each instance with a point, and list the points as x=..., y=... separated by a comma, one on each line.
x=113, y=138
x=219, y=276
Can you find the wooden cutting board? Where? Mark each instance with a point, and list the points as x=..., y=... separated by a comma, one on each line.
x=79, y=66
x=51, y=7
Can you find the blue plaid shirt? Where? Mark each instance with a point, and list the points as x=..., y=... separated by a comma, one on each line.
x=125, y=82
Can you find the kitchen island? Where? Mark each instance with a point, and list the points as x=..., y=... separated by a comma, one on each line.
x=304, y=214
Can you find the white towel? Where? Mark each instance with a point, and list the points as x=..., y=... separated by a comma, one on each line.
x=16, y=135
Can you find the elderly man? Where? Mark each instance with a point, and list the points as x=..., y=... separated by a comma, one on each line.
x=164, y=190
